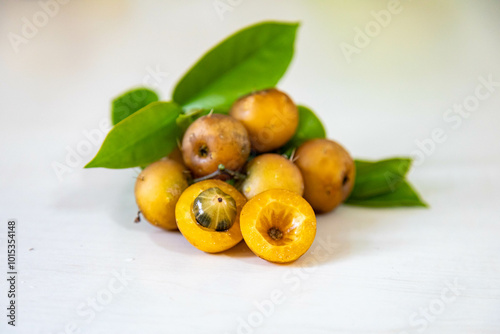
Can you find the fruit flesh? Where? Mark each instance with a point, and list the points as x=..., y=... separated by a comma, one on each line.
x=271, y=171
x=278, y=225
x=205, y=239
x=157, y=189
x=270, y=116
x=215, y=140
x=328, y=172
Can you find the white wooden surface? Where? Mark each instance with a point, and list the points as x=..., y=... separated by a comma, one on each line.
x=369, y=271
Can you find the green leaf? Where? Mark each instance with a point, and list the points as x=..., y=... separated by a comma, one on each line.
x=142, y=138
x=131, y=101
x=310, y=127
x=403, y=195
x=252, y=59
x=383, y=184
x=380, y=177
x=185, y=119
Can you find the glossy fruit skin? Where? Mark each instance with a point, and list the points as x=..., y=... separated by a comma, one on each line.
x=213, y=140
x=157, y=189
x=282, y=210
x=270, y=116
x=328, y=171
x=271, y=171
x=204, y=239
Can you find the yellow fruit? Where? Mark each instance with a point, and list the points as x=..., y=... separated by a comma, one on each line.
x=157, y=189
x=278, y=225
x=270, y=117
x=176, y=155
x=328, y=172
x=271, y=171
x=208, y=213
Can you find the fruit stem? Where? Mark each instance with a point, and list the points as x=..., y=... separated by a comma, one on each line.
x=138, y=218
x=221, y=171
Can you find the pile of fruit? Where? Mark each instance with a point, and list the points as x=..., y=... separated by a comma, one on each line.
x=232, y=158
x=241, y=187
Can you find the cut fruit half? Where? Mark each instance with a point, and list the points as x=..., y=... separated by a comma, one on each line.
x=278, y=225
x=207, y=214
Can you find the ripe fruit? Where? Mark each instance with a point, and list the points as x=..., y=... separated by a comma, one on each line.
x=271, y=171
x=208, y=214
x=157, y=189
x=328, y=172
x=215, y=140
x=278, y=225
x=270, y=116
x=176, y=155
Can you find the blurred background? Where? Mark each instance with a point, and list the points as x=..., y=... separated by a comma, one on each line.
x=382, y=92
x=377, y=102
